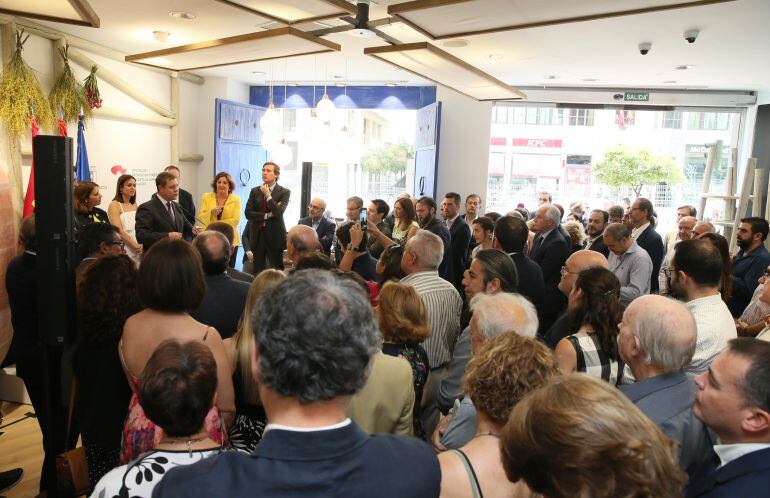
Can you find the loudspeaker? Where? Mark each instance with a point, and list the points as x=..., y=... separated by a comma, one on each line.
x=307, y=186
x=56, y=254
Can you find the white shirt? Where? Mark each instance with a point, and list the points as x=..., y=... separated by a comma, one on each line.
x=636, y=232
x=729, y=452
x=449, y=222
x=715, y=327
x=338, y=425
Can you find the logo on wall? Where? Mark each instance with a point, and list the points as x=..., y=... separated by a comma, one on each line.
x=118, y=170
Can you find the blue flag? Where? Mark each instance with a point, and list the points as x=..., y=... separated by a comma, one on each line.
x=83, y=170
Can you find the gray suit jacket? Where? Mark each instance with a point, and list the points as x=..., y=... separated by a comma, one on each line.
x=668, y=400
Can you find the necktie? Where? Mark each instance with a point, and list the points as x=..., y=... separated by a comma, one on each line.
x=536, y=245
x=171, y=212
x=261, y=223
x=449, y=224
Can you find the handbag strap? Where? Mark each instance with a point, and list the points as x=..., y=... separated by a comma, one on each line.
x=71, y=407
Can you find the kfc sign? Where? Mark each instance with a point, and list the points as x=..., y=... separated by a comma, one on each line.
x=535, y=142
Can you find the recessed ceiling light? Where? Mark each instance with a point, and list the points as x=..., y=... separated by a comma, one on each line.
x=161, y=36
x=337, y=76
x=550, y=77
x=589, y=80
x=684, y=67
x=494, y=57
x=180, y=14
x=669, y=82
x=258, y=73
x=456, y=43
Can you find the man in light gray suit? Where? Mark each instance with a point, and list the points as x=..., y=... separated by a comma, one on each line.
x=657, y=340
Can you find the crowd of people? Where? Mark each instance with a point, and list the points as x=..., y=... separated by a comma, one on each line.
x=419, y=351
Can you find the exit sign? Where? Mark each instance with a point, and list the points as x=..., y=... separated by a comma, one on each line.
x=636, y=96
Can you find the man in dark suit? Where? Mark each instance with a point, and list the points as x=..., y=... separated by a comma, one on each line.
x=642, y=216
x=225, y=297
x=426, y=214
x=550, y=250
x=265, y=209
x=656, y=341
x=577, y=262
x=732, y=400
x=460, y=235
x=185, y=198
x=161, y=216
x=310, y=447
x=510, y=236
x=320, y=223
x=597, y=222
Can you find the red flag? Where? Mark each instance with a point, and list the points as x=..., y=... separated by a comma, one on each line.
x=29, y=199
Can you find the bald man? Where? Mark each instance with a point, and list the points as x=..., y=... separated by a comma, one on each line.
x=301, y=239
x=577, y=262
x=657, y=340
x=323, y=226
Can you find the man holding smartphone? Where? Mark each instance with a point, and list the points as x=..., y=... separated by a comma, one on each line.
x=355, y=257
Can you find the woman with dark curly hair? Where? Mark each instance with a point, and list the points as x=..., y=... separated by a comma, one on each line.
x=504, y=370
x=106, y=297
x=594, y=313
x=177, y=391
x=404, y=325
x=726, y=282
x=576, y=436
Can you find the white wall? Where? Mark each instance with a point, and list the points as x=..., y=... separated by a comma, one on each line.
x=463, y=145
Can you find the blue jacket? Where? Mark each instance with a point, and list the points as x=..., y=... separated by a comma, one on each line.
x=668, y=400
x=746, y=272
x=745, y=477
x=650, y=241
x=342, y=462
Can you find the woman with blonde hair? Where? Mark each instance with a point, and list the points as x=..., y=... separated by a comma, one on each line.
x=122, y=214
x=404, y=325
x=250, y=418
x=222, y=205
x=577, y=436
x=498, y=377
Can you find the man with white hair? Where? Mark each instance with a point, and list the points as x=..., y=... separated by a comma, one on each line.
x=657, y=340
x=493, y=315
x=422, y=257
x=550, y=250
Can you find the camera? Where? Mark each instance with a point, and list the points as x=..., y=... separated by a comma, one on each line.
x=644, y=48
x=691, y=35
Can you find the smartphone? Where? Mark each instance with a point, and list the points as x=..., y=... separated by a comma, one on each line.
x=362, y=220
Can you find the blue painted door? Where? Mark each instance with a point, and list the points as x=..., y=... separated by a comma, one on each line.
x=426, y=150
x=238, y=149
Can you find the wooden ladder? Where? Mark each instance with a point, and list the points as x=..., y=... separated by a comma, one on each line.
x=751, y=189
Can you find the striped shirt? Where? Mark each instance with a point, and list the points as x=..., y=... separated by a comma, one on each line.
x=443, y=305
x=715, y=327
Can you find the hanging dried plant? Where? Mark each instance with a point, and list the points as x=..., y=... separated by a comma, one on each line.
x=21, y=95
x=91, y=86
x=67, y=97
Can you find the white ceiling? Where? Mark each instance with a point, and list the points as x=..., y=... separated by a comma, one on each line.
x=731, y=52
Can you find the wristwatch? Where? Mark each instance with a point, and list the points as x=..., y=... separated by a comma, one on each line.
x=350, y=247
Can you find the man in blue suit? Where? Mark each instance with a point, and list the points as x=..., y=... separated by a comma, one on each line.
x=733, y=400
x=323, y=226
x=657, y=341
x=310, y=355
x=642, y=216
x=550, y=250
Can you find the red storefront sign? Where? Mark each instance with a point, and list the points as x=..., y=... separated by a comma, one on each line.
x=535, y=142
x=497, y=141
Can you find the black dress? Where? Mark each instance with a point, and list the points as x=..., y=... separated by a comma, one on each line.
x=418, y=359
x=101, y=405
x=250, y=419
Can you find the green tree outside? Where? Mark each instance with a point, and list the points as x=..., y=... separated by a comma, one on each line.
x=625, y=166
x=388, y=158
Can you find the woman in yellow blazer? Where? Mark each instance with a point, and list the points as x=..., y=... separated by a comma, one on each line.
x=222, y=205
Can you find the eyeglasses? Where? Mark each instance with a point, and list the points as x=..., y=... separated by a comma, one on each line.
x=668, y=271
x=564, y=271
x=118, y=243
x=310, y=206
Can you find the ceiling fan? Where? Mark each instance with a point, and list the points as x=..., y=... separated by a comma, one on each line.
x=361, y=25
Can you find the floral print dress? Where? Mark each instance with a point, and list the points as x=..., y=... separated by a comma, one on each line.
x=418, y=360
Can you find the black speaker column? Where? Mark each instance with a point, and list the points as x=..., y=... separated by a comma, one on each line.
x=55, y=276
x=307, y=184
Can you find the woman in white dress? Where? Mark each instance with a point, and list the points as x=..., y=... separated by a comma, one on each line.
x=122, y=213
